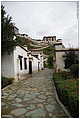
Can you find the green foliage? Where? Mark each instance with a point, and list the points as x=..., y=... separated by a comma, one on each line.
x=50, y=61
x=6, y=81
x=74, y=69
x=7, y=32
x=49, y=50
x=70, y=58
x=45, y=65
x=68, y=92
x=24, y=42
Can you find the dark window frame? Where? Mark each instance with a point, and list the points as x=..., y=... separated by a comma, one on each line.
x=25, y=63
x=20, y=58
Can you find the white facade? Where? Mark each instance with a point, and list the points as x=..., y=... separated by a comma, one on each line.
x=35, y=64
x=39, y=55
x=7, y=65
x=60, y=61
x=18, y=51
x=58, y=46
x=16, y=65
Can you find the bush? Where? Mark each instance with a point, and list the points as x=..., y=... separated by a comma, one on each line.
x=45, y=65
x=49, y=50
x=50, y=61
x=6, y=81
x=70, y=58
x=68, y=92
x=74, y=69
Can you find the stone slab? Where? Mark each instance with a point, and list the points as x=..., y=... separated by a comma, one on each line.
x=37, y=113
x=18, y=112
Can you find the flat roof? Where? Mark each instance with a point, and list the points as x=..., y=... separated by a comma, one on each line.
x=66, y=49
x=49, y=36
x=58, y=43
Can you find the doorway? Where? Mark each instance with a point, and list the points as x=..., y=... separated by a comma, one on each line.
x=30, y=67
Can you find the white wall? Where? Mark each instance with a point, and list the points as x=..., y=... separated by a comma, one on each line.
x=35, y=64
x=42, y=64
x=60, y=61
x=11, y=64
x=7, y=65
x=20, y=73
x=40, y=57
x=58, y=46
x=41, y=61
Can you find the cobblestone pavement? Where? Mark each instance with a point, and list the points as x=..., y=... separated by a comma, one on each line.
x=33, y=97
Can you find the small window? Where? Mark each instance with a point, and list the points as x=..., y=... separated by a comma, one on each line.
x=25, y=63
x=20, y=58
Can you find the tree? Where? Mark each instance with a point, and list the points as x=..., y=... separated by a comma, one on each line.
x=50, y=61
x=74, y=69
x=49, y=50
x=70, y=58
x=7, y=32
x=2, y=22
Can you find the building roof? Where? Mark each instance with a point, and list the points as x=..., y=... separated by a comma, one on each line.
x=37, y=39
x=15, y=27
x=49, y=37
x=22, y=47
x=57, y=43
x=27, y=50
x=66, y=49
x=39, y=49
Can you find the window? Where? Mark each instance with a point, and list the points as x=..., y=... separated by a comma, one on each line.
x=35, y=56
x=20, y=58
x=25, y=63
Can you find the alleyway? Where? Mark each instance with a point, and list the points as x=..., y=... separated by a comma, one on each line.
x=33, y=97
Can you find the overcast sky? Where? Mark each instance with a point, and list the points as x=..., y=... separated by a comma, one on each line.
x=38, y=19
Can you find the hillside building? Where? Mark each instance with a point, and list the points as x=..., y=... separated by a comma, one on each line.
x=49, y=39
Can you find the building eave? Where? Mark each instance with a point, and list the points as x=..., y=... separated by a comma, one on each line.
x=67, y=49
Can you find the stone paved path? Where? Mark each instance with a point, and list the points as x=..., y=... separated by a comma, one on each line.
x=33, y=97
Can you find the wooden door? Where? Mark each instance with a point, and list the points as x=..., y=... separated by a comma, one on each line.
x=30, y=67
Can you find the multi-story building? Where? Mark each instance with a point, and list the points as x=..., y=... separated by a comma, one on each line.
x=49, y=39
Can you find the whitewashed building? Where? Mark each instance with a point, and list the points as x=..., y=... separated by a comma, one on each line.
x=39, y=54
x=19, y=63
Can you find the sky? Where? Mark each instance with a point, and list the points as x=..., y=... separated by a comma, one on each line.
x=39, y=19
